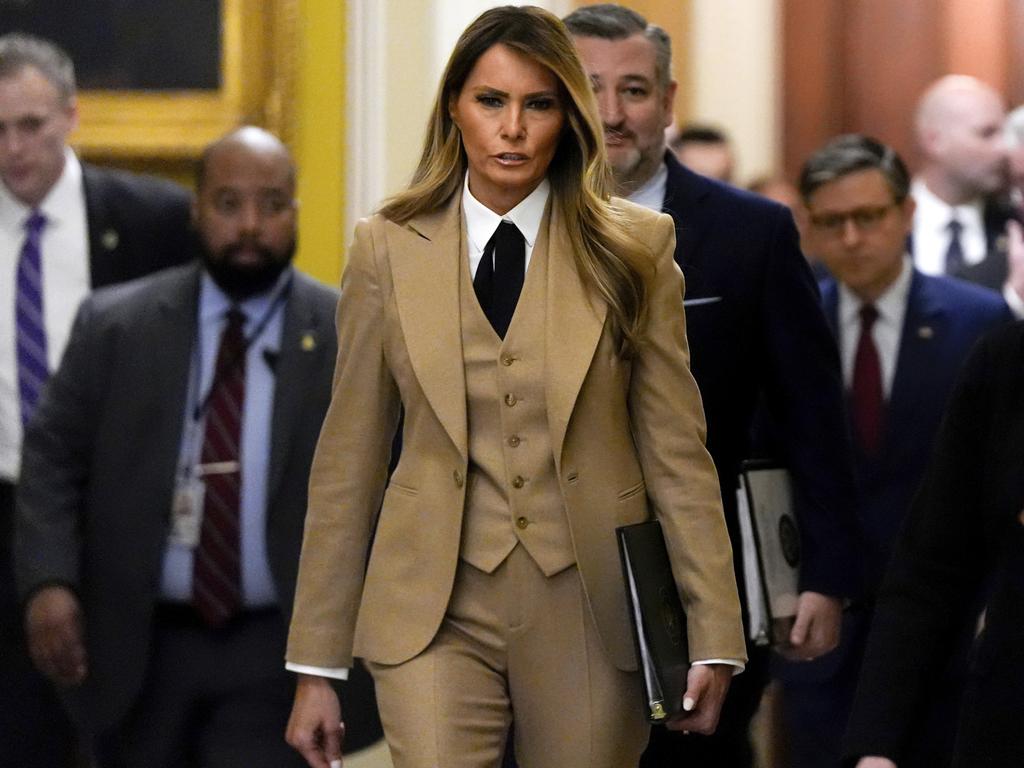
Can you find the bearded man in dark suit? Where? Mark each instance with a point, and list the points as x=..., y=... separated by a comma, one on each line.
x=163, y=493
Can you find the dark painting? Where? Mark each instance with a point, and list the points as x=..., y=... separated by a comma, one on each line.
x=135, y=45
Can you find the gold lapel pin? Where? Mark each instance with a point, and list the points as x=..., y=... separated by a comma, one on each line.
x=110, y=239
x=925, y=332
x=308, y=342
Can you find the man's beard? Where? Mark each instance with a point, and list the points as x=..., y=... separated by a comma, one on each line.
x=242, y=282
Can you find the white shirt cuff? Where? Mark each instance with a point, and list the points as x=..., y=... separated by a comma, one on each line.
x=338, y=673
x=740, y=666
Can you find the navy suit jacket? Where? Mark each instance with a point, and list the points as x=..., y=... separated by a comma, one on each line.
x=758, y=336
x=944, y=318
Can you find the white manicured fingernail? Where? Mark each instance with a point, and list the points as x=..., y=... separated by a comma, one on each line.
x=688, y=704
x=335, y=763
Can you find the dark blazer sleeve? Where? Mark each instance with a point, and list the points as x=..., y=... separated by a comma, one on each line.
x=937, y=564
x=803, y=392
x=55, y=464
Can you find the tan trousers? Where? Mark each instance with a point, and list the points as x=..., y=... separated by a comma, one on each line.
x=513, y=644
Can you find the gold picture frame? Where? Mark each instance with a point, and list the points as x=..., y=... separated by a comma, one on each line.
x=258, y=54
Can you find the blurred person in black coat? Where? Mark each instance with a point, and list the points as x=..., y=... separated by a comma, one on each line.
x=99, y=227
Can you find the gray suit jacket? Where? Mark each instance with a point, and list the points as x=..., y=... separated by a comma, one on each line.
x=99, y=464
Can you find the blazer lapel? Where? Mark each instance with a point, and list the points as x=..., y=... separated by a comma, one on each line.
x=923, y=328
x=303, y=336
x=105, y=260
x=684, y=193
x=425, y=255
x=574, y=326
x=174, y=338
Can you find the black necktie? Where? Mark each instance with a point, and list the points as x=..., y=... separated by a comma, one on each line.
x=499, y=278
x=955, y=252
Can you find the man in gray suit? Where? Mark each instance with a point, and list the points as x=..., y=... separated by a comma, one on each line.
x=163, y=485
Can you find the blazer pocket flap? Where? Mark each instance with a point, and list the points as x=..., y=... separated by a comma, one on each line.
x=632, y=491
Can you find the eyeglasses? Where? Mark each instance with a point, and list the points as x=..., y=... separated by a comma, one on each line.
x=865, y=219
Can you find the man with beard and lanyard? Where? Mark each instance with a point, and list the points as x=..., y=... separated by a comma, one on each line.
x=757, y=336
x=163, y=487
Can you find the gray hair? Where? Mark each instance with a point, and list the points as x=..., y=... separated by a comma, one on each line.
x=851, y=153
x=18, y=51
x=611, y=21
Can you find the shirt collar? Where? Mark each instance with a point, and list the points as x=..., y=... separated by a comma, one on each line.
x=889, y=305
x=935, y=213
x=652, y=193
x=59, y=203
x=214, y=304
x=481, y=221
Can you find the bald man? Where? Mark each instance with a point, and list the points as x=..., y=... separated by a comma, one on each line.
x=960, y=222
x=163, y=486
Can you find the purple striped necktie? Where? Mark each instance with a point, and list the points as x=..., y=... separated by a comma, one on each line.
x=217, y=571
x=33, y=370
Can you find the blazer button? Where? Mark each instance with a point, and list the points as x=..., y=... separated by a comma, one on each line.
x=518, y=482
x=506, y=360
x=522, y=523
x=457, y=477
x=510, y=400
x=514, y=441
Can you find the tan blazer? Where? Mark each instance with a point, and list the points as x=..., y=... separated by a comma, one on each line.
x=628, y=439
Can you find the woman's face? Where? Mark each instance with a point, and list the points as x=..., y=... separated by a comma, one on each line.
x=511, y=116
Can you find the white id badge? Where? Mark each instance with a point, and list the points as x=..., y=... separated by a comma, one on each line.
x=187, y=513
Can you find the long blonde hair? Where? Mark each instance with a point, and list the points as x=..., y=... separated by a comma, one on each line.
x=611, y=262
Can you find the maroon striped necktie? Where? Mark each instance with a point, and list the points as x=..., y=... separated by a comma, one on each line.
x=867, y=397
x=217, y=572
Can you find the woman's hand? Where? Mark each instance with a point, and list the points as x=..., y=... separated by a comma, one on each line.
x=706, y=686
x=315, y=728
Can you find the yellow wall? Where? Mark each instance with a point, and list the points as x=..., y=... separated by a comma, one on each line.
x=319, y=138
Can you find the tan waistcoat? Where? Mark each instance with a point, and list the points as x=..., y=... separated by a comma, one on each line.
x=512, y=494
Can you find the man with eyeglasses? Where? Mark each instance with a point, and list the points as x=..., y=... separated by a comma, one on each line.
x=902, y=337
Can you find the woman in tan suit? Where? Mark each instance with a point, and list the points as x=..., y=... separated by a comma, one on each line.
x=532, y=329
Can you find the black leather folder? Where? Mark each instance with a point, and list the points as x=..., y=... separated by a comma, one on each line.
x=659, y=621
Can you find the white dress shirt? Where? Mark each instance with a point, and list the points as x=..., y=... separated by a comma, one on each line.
x=66, y=281
x=482, y=222
x=931, y=230
x=886, y=331
x=652, y=193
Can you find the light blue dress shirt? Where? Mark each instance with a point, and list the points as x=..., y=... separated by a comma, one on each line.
x=266, y=309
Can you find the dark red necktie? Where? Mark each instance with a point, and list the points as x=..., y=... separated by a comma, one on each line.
x=217, y=573
x=867, y=398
